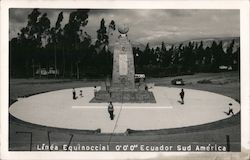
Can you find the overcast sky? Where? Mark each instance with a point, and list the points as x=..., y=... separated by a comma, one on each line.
x=151, y=26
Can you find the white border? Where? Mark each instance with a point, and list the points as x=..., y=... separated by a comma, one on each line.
x=243, y=5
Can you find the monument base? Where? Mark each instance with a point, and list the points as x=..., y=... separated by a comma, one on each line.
x=124, y=97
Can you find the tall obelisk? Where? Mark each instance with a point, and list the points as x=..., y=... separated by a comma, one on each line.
x=123, y=87
x=123, y=63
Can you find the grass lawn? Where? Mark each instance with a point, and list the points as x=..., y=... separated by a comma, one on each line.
x=215, y=133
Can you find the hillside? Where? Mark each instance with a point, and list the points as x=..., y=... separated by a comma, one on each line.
x=207, y=42
x=138, y=45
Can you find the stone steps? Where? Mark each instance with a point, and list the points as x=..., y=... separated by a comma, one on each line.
x=124, y=97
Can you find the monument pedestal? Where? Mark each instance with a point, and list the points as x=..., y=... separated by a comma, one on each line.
x=124, y=97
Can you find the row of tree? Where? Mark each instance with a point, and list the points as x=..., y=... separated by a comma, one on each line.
x=187, y=59
x=67, y=49
x=72, y=52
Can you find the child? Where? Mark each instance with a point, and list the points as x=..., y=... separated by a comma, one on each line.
x=81, y=93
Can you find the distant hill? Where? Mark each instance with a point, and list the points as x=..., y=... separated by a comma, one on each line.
x=207, y=42
x=138, y=45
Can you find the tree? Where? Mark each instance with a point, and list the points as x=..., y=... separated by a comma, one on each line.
x=112, y=25
x=200, y=53
x=236, y=59
x=219, y=54
x=188, y=57
x=102, y=37
x=179, y=55
x=43, y=27
x=56, y=32
x=77, y=19
x=31, y=40
x=215, y=57
x=138, y=59
x=56, y=38
x=146, y=55
x=111, y=36
x=155, y=56
x=37, y=27
x=166, y=55
x=72, y=30
x=30, y=31
x=229, y=54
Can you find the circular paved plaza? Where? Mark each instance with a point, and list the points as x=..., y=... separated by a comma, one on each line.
x=58, y=109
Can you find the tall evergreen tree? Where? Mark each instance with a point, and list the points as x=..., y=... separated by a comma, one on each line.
x=188, y=57
x=200, y=53
x=77, y=19
x=146, y=55
x=112, y=25
x=165, y=56
x=215, y=56
x=220, y=54
x=236, y=59
x=72, y=32
x=37, y=27
x=229, y=54
x=156, y=56
x=102, y=37
x=56, y=40
x=31, y=40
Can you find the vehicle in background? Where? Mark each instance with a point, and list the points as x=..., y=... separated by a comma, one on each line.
x=140, y=78
x=177, y=81
x=44, y=72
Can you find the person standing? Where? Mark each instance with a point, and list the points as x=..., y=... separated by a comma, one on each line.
x=111, y=110
x=95, y=90
x=182, y=96
x=81, y=93
x=74, y=93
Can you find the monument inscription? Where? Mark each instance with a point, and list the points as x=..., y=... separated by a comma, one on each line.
x=123, y=64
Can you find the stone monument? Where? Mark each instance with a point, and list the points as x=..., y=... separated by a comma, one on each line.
x=123, y=88
x=123, y=77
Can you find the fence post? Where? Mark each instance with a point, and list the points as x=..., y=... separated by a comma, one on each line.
x=228, y=143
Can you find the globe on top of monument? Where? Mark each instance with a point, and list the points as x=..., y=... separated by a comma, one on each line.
x=123, y=29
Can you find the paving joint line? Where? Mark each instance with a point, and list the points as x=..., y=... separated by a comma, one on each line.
x=116, y=121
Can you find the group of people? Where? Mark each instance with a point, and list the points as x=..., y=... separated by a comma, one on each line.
x=230, y=110
x=111, y=107
x=80, y=94
x=74, y=94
